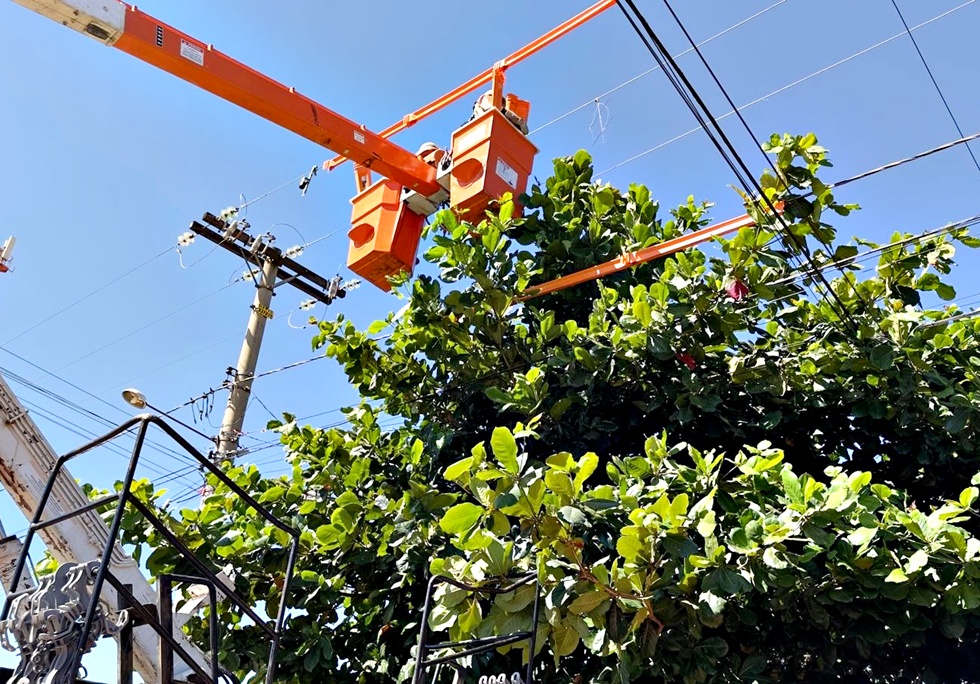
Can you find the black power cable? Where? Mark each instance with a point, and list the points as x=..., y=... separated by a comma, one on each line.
x=801, y=244
x=722, y=143
x=932, y=78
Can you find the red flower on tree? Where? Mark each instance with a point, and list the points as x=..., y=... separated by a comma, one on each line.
x=687, y=360
x=737, y=290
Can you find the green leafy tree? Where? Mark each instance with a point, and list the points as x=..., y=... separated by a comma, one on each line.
x=720, y=471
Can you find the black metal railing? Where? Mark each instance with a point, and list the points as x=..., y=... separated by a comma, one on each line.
x=425, y=658
x=161, y=623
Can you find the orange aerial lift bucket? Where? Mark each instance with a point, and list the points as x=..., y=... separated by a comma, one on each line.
x=491, y=157
x=384, y=234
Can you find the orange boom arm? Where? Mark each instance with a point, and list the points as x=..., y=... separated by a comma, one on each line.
x=140, y=35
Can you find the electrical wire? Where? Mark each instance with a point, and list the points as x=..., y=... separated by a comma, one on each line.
x=103, y=419
x=267, y=409
x=653, y=69
x=952, y=319
x=843, y=311
x=263, y=446
x=748, y=129
x=290, y=366
x=862, y=257
x=168, y=364
x=65, y=403
x=142, y=328
x=190, y=491
x=906, y=160
x=932, y=78
x=183, y=266
x=246, y=204
x=87, y=296
x=86, y=434
x=716, y=133
x=786, y=87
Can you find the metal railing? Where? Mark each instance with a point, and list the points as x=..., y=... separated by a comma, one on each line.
x=470, y=647
x=160, y=620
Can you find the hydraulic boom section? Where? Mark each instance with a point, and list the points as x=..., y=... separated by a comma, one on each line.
x=490, y=156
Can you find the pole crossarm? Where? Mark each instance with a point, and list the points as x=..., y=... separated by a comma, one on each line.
x=238, y=242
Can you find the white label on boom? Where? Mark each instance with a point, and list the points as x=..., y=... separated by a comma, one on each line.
x=191, y=52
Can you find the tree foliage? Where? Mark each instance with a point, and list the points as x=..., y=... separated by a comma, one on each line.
x=720, y=470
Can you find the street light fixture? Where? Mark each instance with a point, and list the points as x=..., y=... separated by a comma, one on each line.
x=137, y=399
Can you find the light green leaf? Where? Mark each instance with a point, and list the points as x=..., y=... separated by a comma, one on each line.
x=461, y=518
x=571, y=514
x=588, y=602
x=471, y=618
x=897, y=576
x=707, y=524
x=505, y=449
x=559, y=482
x=586, y=466
x=772, y=558
x=629, y=547
x=461, y=466
x=564, y=639
x=917, y=561
x=862, y=535
x=968, y=496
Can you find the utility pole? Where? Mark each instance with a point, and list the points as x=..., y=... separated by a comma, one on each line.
x=276, y=269
x=241, y=386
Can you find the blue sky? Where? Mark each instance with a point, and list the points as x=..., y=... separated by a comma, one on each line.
x=107, y=160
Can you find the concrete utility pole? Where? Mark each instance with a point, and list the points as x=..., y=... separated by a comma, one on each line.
x=276, y=269
x=241, y=386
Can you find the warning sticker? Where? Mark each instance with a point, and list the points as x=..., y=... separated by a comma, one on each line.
x=507, y=174
x=192, y=52
x=263, y=311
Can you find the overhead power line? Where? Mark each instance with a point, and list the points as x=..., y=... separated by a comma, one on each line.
x=906, y=160
x=143, y=327
x=88, y=296
x=952, y=319
x=656, y=68
x=106, y=421
x=716, y=133
x=73, y=427
x=788, y=86
x=932, y=78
